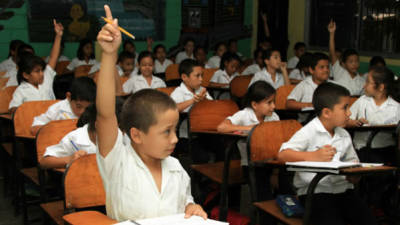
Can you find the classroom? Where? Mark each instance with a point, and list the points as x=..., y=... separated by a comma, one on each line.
x=199, y=112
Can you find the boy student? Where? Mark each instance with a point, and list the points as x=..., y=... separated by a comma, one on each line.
x=141, y=179
x=81, y=94
x=299, y=50
x=334, y=201
x=125, y=65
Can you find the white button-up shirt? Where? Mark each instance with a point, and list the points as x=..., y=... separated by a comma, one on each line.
x=342, y=76
x=265, y=76
x=12, y=77
x=26, y=92
x=58, y=111
x=303, y=92
x=131, y=192
x=292, y=63
x=297, y=75
x=214, y=62
x=252, y=69
x=8, y=64
x=136, y=83
x=312, y=137
x=80, y=138
x=385, y=114
x=61, y=58
x=161, y=67
x=182, y=56
x=77, y=62
x=247, y=117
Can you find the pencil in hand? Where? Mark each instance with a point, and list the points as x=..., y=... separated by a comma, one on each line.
x=120, y=28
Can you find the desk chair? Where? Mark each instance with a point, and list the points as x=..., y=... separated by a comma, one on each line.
x=5, y=98
x=82, y=70
x=207, y=75
x=3, y=81
x=172, y=72
x=167, y=90
x=239, y=86
x=60, y=66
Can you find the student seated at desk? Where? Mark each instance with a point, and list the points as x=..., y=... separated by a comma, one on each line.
x=84, y=56
x=299, y=50
x=125, y=65
x=301, y=71
x=141, y=179
x=257, y=65
x=334, y=201
x=161, y=62
x=227, y=72
x=215, y=61
x=11, y=61
x=82, y=93
x=260, y=105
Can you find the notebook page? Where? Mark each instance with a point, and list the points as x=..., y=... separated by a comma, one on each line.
x=177, y=219
x=330, y=165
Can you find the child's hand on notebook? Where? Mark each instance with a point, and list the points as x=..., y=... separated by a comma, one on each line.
x=324, y=154
x=109, y=36
x=76, y=155
x=194, y=209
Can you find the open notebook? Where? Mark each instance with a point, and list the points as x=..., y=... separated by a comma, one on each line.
x=331, y=167
x=177, y=219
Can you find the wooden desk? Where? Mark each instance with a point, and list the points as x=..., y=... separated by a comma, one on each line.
x=220, y=88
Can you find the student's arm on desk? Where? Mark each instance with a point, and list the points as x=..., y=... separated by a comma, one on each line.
x=109, y=39
x=226, y=126
x=50, y=162
x=295, y=105
x=184, y=105
x=324, y=154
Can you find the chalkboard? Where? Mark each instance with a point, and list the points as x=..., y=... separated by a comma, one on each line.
x=82, y=18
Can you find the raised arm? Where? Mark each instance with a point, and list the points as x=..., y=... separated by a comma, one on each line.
x=265, y=23
x=55, y=50
x=109, y=39
x=149, y=41
x=332, y=30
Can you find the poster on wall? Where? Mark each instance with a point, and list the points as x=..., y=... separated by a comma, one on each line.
x=82, y=18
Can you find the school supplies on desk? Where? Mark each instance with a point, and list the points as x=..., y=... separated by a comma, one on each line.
x=330, y=167
x=177, y=219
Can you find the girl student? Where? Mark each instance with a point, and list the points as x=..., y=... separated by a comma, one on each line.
x=259, y=107
x=10, y=62
x=301, y=70
x=84, y=56
x=161, y=62
x=345, y=74
x=145, y=78
x=35, y=78
x=215, y=61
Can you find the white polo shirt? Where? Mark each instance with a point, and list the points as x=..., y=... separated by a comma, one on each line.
x=136, y=83
x=161, y=67
x=247, y=117
x=312, y=137
x=292, y=63
x=8, y=64
x=252, y=69
x=214, y=62
x=181, y=94
x=342, y=76
x=12, y=77
x=58, y=111
x=265, y=76
x=26, y=92
x=79, y=136
x=182, y=56
x=385, y=114
x=303, y=92
x=221, y=77
x=296, y=74
x=131, y=192
x=61, y=58
x=77, y=62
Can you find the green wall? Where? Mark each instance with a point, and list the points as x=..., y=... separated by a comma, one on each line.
x=17, y=28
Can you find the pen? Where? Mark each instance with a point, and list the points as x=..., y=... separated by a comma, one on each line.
x=74, y=145
x=66, y=116
x=120, y=28
x=134, y=222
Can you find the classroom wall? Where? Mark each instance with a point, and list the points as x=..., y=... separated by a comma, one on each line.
x=17, y=28
x=297, y=18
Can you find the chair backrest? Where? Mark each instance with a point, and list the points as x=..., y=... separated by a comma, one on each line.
x=352, y=100
x=245, y=64
x=207, y=75
x=208, y=114
x=2, y=73
x=3, y=81
x=167, y=90
x=52, y=133
x=23, y=116
x=266, y=138
x=5, y=98
x=83, y=185
x=60, y=66
x=172, y=72
x=82, y=70
x=281, y=96
x=239, y=85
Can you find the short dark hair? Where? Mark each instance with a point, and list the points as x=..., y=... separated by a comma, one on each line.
x=83, y=89
x=375, y=60
x=82, y=44
x=257, y=92
x=187, y=40
x=227, y=57
x=142, y=55
x=256, y=52
x=157, y=47
x=316, y=57
x=347, y=53
x=198, y=48
x=26, y=63
x=327, y=95
x=128, y=42
x=24, y=48
x=232, y=40
x=383, y=75
x=14, y=44
x=125, y=55
x=299, y=45
x=140, y=109
x=267, y=53
x=186, y=66
x=219, y=44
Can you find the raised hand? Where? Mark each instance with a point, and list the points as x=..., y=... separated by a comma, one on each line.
x=332, y=27
x=58, y=28
x=109, y=36
x=264, y=16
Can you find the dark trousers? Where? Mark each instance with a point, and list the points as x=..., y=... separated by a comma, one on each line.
x=337, y=209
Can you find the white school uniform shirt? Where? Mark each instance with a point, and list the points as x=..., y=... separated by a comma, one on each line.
x=247, y=117
x=181, y=94
x=265, y=76
x=12, y=77
x=182, y=56
x=221, y=77
x=61, y=58
x=342, y=76
x=79, y=136
x=58, y=111
x=297, y=74
x=386, y=114
x=292, y=63
x=252, y=69
x=214, y=62
x=136, y=83
x=310, y=138
x=77, y=62
x=26, y=92
x=303, y=92
x=8, y=64
x=131, y=192
x=161, y=67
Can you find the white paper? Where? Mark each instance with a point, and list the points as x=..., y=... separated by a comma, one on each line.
x=177, y=219
x=371, y=164
x=328, y=165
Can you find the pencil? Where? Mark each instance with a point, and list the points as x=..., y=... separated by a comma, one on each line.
x=74, y=145
x=120, y=28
